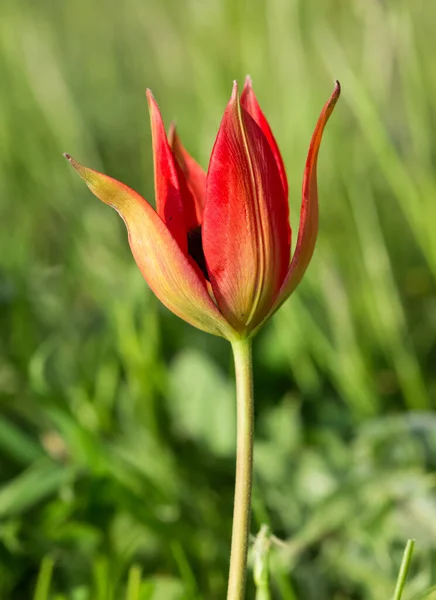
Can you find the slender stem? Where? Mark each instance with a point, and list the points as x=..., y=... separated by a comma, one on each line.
x=244, y=469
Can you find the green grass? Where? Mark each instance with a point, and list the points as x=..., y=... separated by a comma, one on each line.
x=114, y=452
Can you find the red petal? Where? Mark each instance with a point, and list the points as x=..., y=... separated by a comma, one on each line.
x=167, y=270
x=246, y=235
x=251, y=105
x=195, y=178
x=308, y=229
x=169, y=199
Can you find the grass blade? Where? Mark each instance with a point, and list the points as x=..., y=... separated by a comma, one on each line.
x=402, y=575
x=42, y=589
x=133, y=583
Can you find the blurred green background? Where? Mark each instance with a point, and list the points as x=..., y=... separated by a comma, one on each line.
x=117, y=419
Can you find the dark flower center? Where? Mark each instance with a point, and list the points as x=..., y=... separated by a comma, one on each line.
x=195, y=250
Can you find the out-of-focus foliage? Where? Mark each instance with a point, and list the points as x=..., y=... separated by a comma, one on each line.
x=117, y=419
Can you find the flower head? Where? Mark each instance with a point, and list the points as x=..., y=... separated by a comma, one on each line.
x=217, y=249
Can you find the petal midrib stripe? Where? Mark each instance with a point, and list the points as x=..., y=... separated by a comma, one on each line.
x=259, y=233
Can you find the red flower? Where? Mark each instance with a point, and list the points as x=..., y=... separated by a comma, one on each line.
x=216, y=251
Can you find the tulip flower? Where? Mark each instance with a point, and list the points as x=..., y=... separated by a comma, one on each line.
x=217, y=249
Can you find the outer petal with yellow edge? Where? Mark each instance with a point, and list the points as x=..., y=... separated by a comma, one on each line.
x=167, y=270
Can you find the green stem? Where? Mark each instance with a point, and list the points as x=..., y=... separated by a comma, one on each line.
x=244, y=469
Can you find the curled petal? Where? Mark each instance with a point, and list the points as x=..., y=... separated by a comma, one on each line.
x=165, y=267
x=308, y=229
x=251, y=105
x=195, y=178
x=246, y=236
x=169, y=195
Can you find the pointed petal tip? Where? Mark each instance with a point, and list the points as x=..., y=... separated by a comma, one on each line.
x=248, y=82
x=235, y=93
x=331, y=102
x=73, y=162
x=149, y=95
